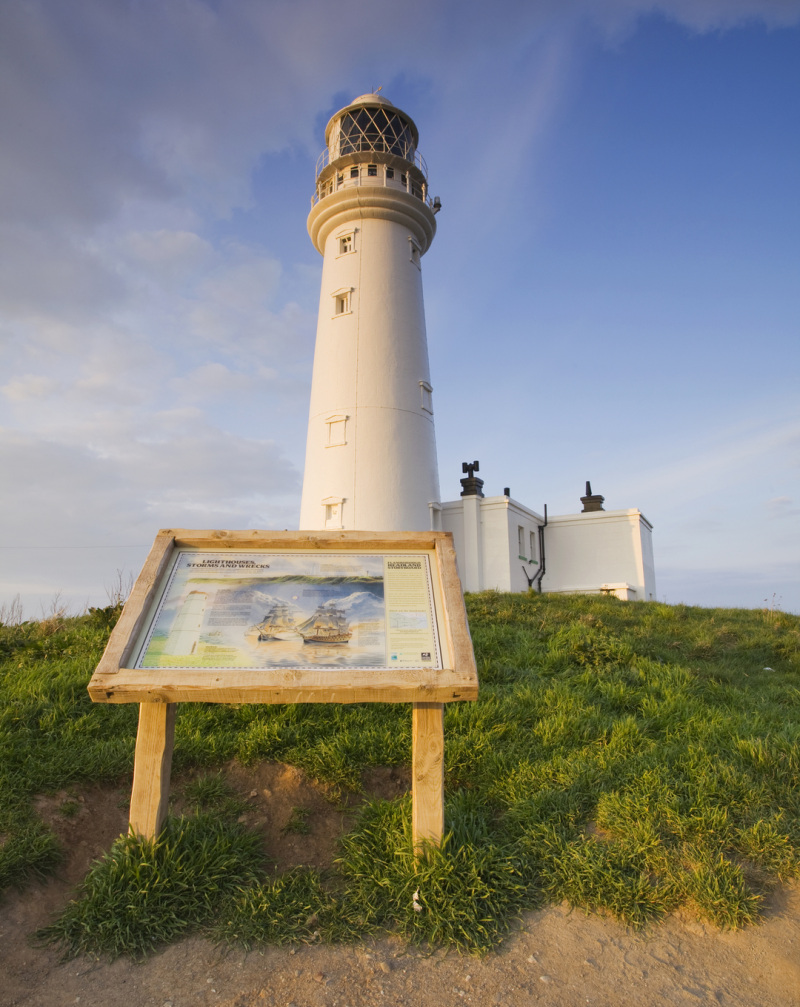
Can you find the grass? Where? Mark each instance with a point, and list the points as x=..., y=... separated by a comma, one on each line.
x=627, y=758
x=148, y=892
x=298, y=822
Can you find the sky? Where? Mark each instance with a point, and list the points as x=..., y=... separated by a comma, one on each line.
x=612, y=294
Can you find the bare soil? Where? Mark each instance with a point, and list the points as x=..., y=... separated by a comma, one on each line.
x=554, y=957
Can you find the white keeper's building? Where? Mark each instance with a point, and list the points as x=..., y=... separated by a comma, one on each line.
x=503, y=545
x=371, y=450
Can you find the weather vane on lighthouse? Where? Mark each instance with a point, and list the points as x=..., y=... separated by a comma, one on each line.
x=371, y=450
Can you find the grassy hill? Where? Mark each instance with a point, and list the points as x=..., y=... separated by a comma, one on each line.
x=627, y=757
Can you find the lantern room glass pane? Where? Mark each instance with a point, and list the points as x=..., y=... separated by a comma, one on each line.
x=375, y=129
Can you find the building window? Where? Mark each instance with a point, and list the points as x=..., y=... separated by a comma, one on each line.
x=521, y=542
x=337, y=433
x=415, y=252
x=342, y=301
x=427, y=396
x=345, y=244
x=372, y=170
x=339, y=179
x=403, y=179
x=354, y=172
x=533, y=546
x=390, y=172
x=332, y=508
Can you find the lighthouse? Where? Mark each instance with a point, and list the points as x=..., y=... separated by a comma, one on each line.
x=371, y=450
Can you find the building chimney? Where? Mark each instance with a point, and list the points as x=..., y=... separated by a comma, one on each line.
x=471, y=486
x=592, y=501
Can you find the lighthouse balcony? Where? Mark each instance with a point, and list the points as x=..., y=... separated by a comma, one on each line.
x=386, y=152
x=345, y=176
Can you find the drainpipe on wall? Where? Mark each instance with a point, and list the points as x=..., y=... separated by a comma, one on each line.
x=540, y=574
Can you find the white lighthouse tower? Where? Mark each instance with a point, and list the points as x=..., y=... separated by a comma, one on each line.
x=371, y=450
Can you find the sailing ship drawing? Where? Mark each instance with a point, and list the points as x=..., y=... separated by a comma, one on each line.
x=277, y=624
x=328, y=624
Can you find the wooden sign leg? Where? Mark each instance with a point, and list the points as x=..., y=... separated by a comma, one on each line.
x=152, y=766
x=427, y=775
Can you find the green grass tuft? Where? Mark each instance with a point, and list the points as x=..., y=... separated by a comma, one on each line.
x=145, y=893
x=294, y=907
x=298, y=822
x=464, y=894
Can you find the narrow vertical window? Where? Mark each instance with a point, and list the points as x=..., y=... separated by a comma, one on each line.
x=345, y=244
x=332, y=508
x=533, y=546
x=342, y=301
x=336, y=427
x=427, y=396
x=354, y=172
x=521, y=542
x=415, y=252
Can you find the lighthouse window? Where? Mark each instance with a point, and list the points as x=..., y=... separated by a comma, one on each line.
x=345, y=244
x=341, y=301
x=427, y=397
x=332, y=509
x=415, y=252
x=354, y=172
x=336, y=431
x=372, y=170
x=390, y=172
x=403, y=178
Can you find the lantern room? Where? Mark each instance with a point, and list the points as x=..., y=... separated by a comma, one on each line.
x=371, y=142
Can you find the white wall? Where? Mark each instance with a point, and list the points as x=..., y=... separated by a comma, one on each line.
x=485, y=535
x=584, y=552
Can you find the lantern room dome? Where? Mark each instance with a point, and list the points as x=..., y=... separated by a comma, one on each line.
x=371, y=99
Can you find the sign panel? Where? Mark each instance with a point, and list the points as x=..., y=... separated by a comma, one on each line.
x=249, y=611
x=292, y=617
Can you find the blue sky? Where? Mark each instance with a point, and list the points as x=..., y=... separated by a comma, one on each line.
x=612, y=293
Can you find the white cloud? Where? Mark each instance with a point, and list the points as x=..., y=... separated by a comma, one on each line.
x=29, y=386
x=168, y=255
x=730, y=455
x=781, y=508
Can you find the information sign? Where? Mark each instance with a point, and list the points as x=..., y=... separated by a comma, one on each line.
x=291, y=617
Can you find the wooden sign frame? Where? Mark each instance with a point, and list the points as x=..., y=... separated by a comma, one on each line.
x=158, y=690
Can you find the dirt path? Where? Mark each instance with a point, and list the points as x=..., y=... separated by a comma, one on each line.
x=556, y=957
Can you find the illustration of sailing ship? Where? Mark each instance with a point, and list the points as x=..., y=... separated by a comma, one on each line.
x=327, y=625
x=277, y=624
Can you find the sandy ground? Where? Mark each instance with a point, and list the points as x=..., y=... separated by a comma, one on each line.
x=554, y=957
